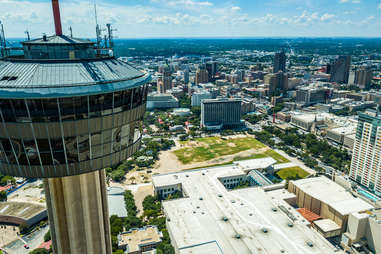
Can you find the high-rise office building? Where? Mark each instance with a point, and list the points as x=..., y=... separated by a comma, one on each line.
x=366, y=158
x=67, y=112
x=277, y=82
x=202, y=75
x=238, y=75
x=211, y=67
x=279, y=62
x=197, y=97
x=224, y=113
x=308, y=96
x=186, y=76
x=363, y=77
x=164, y=83
x=340, y=69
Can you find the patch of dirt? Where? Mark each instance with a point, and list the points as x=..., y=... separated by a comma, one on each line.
x=168, y=161
x=231, y=144
x=140, y=194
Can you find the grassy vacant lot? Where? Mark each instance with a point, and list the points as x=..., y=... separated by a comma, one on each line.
x=269, y=153
x=204, y=149
x=292, y=173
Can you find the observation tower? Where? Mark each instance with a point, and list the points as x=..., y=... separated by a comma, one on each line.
x=67, y=111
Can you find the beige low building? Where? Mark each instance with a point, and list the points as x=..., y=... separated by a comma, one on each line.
x=363, y=234
x=343, y=135
x=139, y=240
x=17, y=213
x=327, y=228
x=306, y=122
x=327, y=199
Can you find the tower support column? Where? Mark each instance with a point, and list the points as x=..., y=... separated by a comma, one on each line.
x=78, y=214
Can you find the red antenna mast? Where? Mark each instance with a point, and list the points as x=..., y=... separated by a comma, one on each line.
x=57, y=17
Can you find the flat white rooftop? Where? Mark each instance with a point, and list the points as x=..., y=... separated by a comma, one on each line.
x=346, y=130
x=327, y=225
x=322, y=188
x=255, y=163
x=307, y=117
x=212, y=219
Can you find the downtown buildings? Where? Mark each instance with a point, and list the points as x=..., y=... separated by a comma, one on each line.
x=202, y=75
x=339, y=70
x=363, y=77
x=221, y=113
x=277, y=82
x=214, y=217
x=279, y=62
x=164, y=83
x=310, y=95
x=366, y=158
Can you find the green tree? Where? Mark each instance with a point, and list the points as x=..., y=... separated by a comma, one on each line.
x=118, y=252
x=24, y=228
x=117, y=175
x=132, y=179
x=3, y=196
x=196, y=111
x=133, y=222
x=39, y=251
x=47, y=236
x=130, y=203
x=151, y=203
x=165, y=248
x=116, y=225
x=183, y=137
x=6, y=179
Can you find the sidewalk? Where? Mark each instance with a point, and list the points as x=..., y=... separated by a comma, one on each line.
x=296, y=162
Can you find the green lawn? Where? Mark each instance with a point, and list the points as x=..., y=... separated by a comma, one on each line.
x=292, y=173
x=213, y=147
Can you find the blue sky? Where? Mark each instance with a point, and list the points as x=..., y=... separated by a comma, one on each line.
x=199, y=18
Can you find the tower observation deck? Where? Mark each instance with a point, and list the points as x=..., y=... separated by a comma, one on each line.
x=66, y=113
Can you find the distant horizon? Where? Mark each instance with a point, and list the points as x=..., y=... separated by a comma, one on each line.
x=151, y=19
x=218, y=37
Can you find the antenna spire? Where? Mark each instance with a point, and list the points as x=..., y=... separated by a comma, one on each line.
x=110, y=35
x=57, y=17
x=3, y=42
x=27, y=35
x=97, y=28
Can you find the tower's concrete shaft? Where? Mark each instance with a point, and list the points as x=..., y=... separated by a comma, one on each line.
x=78, y=214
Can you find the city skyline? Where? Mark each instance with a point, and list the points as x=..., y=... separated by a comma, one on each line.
x=199, y=18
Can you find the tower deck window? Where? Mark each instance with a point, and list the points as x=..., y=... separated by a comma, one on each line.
x=8, y=78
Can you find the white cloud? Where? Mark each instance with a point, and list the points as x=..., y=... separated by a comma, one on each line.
x=353, y=1
x=236, y=8
x=188, y=3
x=379, y=6
x=172, y=18
x=327, y=16
x=367, y=20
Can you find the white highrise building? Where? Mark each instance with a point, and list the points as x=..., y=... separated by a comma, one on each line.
x=366, y=159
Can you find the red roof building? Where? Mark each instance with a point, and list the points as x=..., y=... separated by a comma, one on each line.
x=45, y=245
x=308, y=215
x=5, y=188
